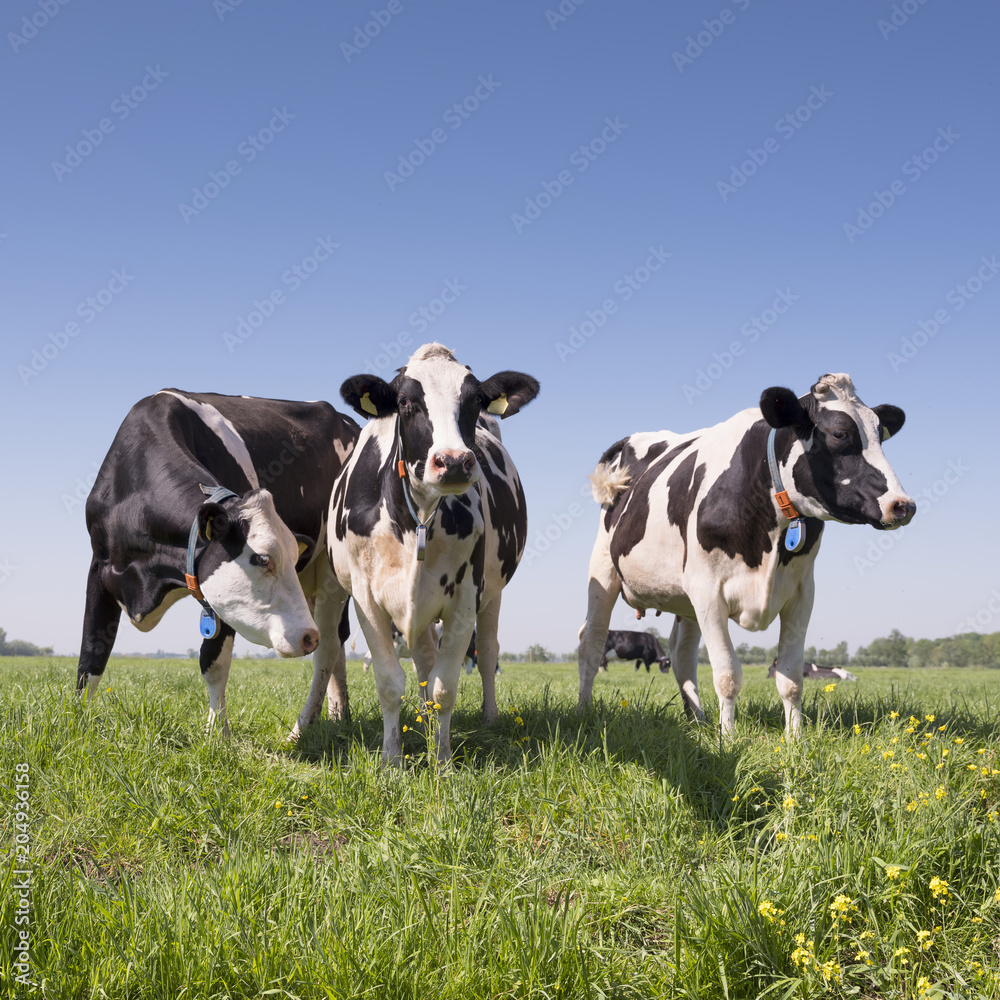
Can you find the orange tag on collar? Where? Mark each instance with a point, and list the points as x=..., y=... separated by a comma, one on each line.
x=402, y=469
x=192, y=585
x=786, y=505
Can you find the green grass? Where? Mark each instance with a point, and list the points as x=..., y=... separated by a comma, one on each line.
x=620, y=854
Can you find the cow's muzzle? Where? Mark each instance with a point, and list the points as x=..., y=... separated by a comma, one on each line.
x=452, y=467
x=900, y=513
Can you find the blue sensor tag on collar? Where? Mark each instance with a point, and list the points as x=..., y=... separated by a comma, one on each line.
x=208, y=625
x=795, y=536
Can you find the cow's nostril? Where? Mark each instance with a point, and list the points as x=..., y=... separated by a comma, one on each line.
x=903, y=510
x=310, y=640
x=469, y=461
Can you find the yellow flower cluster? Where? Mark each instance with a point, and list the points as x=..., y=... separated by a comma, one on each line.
x=770, y=912
x=841, y=909
x=939, y=889
x=804, y=957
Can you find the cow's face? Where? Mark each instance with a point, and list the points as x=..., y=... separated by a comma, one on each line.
x=247, y=574
x=437, y=402
x=843, y=473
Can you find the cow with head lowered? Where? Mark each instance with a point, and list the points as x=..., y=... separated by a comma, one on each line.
x=427, y=521
x=225, y=498
x=709, y=526
x=639, y=646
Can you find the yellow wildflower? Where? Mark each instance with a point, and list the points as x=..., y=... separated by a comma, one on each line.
x=789, y=803
x=768, y=910
x=929, y=718
x=779, y=836
x=939, y=888
x=892, y=872
x=857, y=729
x=829, y=687
x=940, y=792
x=894, y=714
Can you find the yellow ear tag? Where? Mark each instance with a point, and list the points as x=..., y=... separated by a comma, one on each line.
x=302, y=548
x=208, y=531
x=499, y=405
x=885, y=434
x=367, y=405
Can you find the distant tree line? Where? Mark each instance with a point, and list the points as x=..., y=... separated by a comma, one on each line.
x=18, y=647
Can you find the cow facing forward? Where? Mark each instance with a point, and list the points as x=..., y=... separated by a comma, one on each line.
x=253, y=546
x=699, y=525
x=427, y=521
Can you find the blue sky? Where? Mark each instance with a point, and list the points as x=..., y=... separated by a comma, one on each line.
x=532, y=165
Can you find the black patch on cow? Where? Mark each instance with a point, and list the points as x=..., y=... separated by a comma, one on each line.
x=456, y=518
x=509, y=517
x=629, y=514
x=681, y=495
x=416, y=429
x=496, y=454
x=478, y=560
x=737, y=514
x=836, y=454
x=460, y=575
x=212, y=648
x=360, y=496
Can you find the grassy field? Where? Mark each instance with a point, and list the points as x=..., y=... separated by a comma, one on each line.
x=621, y=854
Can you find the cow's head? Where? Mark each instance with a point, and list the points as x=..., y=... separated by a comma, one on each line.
x=843, y=473
x=247, y=573
x=437, y=402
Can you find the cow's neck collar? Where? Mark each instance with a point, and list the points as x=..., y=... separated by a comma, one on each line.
x=795, y=535
x=209, y=622
x=408, y=497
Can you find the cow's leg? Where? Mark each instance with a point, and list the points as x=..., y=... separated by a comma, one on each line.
x=101, y=617
x=424, y=653
x=337, y=701
x=727, y=671
x=216, y=657
x=331, y=599
x=683, y=643
x=603, y=589
x=390, y=679
x=791, y=646
x=488, y=655
x=444, y=679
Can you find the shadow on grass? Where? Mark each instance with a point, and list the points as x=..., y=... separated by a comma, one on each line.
x=691, y=759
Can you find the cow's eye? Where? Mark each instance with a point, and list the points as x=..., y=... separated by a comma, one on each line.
x=259, y=559
x=840, y=435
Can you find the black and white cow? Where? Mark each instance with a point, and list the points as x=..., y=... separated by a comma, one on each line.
x=429, y=456
x=814, y=672
x=691, y=523
x=640, y=646
x=260, y=554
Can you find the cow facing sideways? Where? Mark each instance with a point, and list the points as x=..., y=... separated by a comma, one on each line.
x=640, y=646
x=427, y=521
x=814, y=672
x=697, y=524
x=258, y=554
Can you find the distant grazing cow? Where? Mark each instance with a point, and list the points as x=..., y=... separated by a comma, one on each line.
x=641, y=646
x=427, y=521
x=252, y=550
x=813, y=671
x=704, y=525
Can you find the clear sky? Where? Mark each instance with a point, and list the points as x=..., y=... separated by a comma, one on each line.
x=660, y=177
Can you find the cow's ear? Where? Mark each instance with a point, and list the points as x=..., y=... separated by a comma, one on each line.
x=505, y=393
x=781, y=408
x=891, y=417
x=307, y=546
x=369, y=396
x=213, y=521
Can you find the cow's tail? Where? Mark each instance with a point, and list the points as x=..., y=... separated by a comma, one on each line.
x=607, y=482
x=583, y=628
x=609, y=478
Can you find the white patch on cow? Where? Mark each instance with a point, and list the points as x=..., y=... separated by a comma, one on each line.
x=441, y=378
x=845, y=482
x=265, y=605
x=343, y=450
x=225, y=431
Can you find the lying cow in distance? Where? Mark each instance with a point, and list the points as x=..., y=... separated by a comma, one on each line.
x=814, y=672
x=154, y=510
x=427, y=521
x=640, y=646
x=712, y=527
